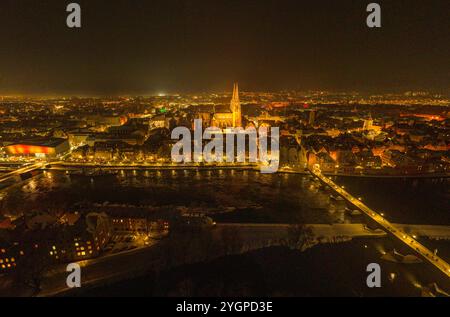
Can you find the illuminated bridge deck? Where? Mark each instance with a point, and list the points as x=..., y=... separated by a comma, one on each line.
x=386, y=225
x=21, y=170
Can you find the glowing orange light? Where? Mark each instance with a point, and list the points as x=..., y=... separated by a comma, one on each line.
x=29, y=149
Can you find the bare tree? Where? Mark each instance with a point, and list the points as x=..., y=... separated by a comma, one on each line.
x=231, y=240
x=299, y=236
x=32, y=266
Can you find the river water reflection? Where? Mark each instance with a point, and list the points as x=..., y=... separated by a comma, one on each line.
x=235, y=195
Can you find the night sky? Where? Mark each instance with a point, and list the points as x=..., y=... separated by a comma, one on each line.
x=151, y=46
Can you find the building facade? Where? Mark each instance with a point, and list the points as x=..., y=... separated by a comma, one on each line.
x=233, y=118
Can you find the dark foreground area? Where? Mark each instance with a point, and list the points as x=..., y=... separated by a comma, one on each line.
x=327, y=270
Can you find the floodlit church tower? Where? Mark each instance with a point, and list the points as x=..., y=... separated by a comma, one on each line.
x=235, y=106
x=231, y=118
x=368, y=124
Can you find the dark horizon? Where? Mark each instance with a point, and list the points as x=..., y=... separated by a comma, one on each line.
x=192, y=46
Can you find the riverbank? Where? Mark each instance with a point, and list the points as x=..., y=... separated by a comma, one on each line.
x=70, y=165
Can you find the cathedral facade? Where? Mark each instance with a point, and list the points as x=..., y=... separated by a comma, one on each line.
x=232, y=118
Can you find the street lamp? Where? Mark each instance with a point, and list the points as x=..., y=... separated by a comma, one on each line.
x=392, y=277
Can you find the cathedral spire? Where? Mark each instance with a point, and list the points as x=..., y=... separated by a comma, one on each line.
x=236, y=107
x=235, y=91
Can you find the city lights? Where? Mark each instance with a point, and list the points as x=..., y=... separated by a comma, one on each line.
x=231, y=152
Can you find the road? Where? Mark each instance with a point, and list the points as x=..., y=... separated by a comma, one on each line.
x=106, y=269
x=268, y=231
x=396, y=231
x=429, y=231
x=21, y=170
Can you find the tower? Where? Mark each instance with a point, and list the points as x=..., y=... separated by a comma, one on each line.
x=312, y=117
x=368, y=123
x=235, y=106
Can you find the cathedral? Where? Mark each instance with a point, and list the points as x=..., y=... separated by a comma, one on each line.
x=232, y=118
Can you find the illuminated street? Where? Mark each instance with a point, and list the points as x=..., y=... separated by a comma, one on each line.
x=22, y=170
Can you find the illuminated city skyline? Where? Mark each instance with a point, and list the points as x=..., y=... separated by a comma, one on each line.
x=224, y=149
